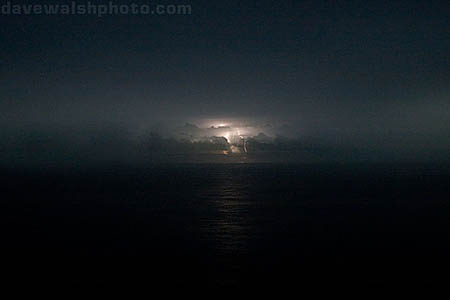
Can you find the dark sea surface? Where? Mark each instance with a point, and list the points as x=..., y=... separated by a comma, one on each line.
x=227, y=225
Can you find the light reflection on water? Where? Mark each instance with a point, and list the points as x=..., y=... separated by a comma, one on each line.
x=230, y=224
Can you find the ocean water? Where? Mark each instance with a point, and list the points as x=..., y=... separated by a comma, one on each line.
x=227, y=225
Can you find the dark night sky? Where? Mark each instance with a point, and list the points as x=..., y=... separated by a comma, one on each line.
x=356, y=71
